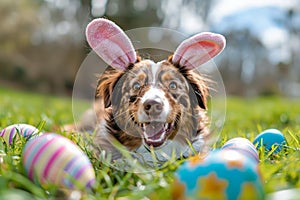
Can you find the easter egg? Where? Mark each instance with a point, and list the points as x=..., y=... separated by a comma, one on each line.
x=243, y=146
x=293, y=193
x=52, y=159
x=25, y=130
x=223, y=174
x=269, y=138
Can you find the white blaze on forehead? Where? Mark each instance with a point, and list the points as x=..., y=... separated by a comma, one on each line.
x=154, y=68
x=154, y=93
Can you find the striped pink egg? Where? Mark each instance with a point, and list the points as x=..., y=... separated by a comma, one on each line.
x=25, y=130
x=244, y=146
x=52, y=159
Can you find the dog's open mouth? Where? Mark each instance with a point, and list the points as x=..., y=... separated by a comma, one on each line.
x=156, y=133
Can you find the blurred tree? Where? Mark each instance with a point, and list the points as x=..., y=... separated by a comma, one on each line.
x=261, y=53
x=128, y=13
x=187, y=16
x=17, y=25
x=42, y=42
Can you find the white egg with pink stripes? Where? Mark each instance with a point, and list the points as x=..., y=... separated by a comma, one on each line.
x=52, y=159
x=26, y=131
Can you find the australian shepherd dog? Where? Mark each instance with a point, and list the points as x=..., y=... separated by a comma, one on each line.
x=145, y=105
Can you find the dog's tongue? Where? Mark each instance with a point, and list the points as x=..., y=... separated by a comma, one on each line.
x=154, y=129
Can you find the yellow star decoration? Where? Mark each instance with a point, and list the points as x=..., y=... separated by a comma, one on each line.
x=195, y=160
x=235, y=164
x=212, y=187
x=178, y=190
x=234, y=159
x=248, y=192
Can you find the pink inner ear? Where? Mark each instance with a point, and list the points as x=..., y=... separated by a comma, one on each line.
x=198, y=49
x=110, y=43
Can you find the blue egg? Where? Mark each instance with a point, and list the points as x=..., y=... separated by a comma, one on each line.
x=243, y=146
x=269, y=138
x=223, y=174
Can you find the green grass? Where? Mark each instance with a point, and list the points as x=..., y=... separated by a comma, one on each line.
x=244, y=118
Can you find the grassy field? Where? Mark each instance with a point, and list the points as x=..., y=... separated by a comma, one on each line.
x=244, y=118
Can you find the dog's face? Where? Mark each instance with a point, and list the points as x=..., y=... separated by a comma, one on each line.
x=154, y=101
x=150, y=103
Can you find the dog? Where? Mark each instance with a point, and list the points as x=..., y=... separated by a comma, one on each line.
x=145, y=105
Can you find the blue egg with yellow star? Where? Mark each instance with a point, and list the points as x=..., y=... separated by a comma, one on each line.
x=270, y=138
x=222, y=174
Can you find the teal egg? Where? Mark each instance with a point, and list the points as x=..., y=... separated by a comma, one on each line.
x=270, y=138
x=223, y=174
x=243, y=146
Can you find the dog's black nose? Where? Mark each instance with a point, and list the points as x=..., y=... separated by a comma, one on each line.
x=153, y=107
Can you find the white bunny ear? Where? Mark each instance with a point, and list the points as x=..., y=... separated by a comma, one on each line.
x=111, y=43
x=200, y=48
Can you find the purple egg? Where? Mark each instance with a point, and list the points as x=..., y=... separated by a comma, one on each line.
x=25, y=130
x=243, y=146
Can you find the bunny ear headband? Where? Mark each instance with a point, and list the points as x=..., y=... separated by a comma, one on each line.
x=111, y=43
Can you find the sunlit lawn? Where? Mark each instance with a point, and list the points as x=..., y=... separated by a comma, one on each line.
x=244, y=118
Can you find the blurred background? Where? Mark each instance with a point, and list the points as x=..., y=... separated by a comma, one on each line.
x=42, y=42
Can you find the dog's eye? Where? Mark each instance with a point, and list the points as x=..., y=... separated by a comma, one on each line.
x=173, y=86
x=136, y=86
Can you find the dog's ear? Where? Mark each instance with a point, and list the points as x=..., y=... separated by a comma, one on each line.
x=111, y=43
x=198, y=49
x=109, y=88
x=199, y=91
